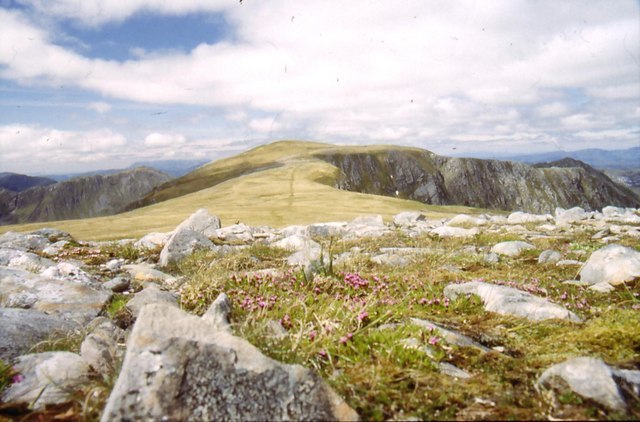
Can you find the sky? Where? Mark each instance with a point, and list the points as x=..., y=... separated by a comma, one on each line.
x=95, y=84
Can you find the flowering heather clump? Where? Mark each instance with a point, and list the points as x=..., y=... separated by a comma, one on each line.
x=356, y=281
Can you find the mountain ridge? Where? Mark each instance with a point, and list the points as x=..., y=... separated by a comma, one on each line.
x=80, y=197
x=417, y=174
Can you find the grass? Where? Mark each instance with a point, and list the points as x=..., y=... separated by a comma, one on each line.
x=337, y=324
x=295, y=193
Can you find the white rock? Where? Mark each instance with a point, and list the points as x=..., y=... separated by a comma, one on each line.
x=588, y=377
x=613, y=264
x=408, y=218
x=572, y=215
x=152, y=241
x=511, y=248
x=49, y=378
x=520, y=217
x=466, y=221
x=201, y=222
x=549, y=257
x=509, y=301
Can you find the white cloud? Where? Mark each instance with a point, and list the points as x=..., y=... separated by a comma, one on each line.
x=344, y=71
x=100, y=107
x=164, y=140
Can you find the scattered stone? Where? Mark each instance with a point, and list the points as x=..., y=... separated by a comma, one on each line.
x=99, y=348
x=398, y=257
x=114, y=264
x=117, y=284
x=512, y=248
x=180, y=367
x=55, y=248
x=69, y=271
x=588, y=377
x=509, y=301
x=22, y=328
x=144, y=273
x=334, y=229
x=47, y=378
x=306, y=251
x=572, y=215
x=30, y=262
x=602, y=287
x=492, y=258
x=152, y=241
x=453, y=371
x=201, y=222
x=181, y=244
x=549, y=257
x=446, y=231
x=408, y=219
x=613, y=264
x=236, y=234
x=150, y=294
x=466, y=221
x=520, y=217
x=367, y=226
x=24, y=241
x=450, y=336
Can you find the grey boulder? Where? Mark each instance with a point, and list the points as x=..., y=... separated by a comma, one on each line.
x=22, y=328
x=588, y=377
x=182, y=367
x=47, y=378
x=509, y=301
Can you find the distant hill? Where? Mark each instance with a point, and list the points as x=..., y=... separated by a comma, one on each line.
x=174, y=168
x=420, y=175
x=80, y=197
x=18, y=182
x=622, y=159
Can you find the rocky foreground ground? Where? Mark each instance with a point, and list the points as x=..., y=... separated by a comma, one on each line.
x=411, y=319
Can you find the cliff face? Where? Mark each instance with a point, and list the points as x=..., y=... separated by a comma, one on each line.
x=433, y=179
x=81, y=197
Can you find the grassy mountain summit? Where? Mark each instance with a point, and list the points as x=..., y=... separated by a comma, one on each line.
x=293, y=182
x=416, y=174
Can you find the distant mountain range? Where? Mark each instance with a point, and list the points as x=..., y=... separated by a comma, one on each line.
x=622, y=159
x=174, y=168
x=19, y=182
x=80, y=197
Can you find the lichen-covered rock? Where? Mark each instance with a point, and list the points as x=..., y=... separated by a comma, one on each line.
x=143, y=273
x=201, y=222
x=181, y=244
x=150, y=294
x=588, y=377
x=613, y=264
x=519, y=217
x=181, y=367
x=47, y=378
x=99, y=348
x=58, y=297
x=509, y=301
x=22, y=328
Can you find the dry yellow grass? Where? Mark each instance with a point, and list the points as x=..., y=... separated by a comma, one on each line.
x=278, y=197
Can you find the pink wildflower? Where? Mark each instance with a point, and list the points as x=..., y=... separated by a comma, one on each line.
x=363, y=315
x=433, y=340
x=312, y=335
x=17, y=378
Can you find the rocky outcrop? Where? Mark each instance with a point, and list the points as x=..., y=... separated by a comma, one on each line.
x=432, y=179
x=181, y=367
x=81, y=197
